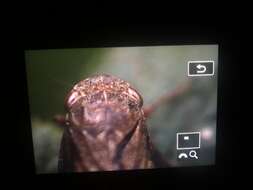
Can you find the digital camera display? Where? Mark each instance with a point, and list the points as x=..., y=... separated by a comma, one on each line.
x=122, y=108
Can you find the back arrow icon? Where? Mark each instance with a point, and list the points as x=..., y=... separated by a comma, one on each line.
x=201, y=68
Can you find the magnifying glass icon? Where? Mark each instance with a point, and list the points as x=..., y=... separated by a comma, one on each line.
x=193, y=154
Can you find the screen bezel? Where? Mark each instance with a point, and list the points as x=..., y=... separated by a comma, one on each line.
x=138, y=36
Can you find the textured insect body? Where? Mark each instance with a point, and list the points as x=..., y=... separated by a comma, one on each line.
x=106, y=127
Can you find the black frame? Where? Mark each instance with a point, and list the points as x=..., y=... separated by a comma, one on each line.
x=106, y=36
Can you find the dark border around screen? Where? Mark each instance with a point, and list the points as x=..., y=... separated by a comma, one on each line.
x=106, y=36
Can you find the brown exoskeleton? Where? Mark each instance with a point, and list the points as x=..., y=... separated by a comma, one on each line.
x=105, y=128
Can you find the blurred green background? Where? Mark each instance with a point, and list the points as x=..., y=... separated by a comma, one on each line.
x=153, y=71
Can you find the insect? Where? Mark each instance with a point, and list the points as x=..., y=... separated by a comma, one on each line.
x=106, y=128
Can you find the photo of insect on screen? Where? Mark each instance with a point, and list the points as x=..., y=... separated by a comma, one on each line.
x=122, y=108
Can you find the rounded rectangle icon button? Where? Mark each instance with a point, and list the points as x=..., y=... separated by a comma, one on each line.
x=201, y=68
x=189, y=140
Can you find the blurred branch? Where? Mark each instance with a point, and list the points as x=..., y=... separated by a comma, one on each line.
x=60, y=120
x=167, y=98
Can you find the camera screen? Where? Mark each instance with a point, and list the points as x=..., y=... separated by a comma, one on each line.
x=122, y=108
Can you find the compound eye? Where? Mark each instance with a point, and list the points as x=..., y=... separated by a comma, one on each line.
x=76, y=115
x=135, y=96
x=71, y=99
